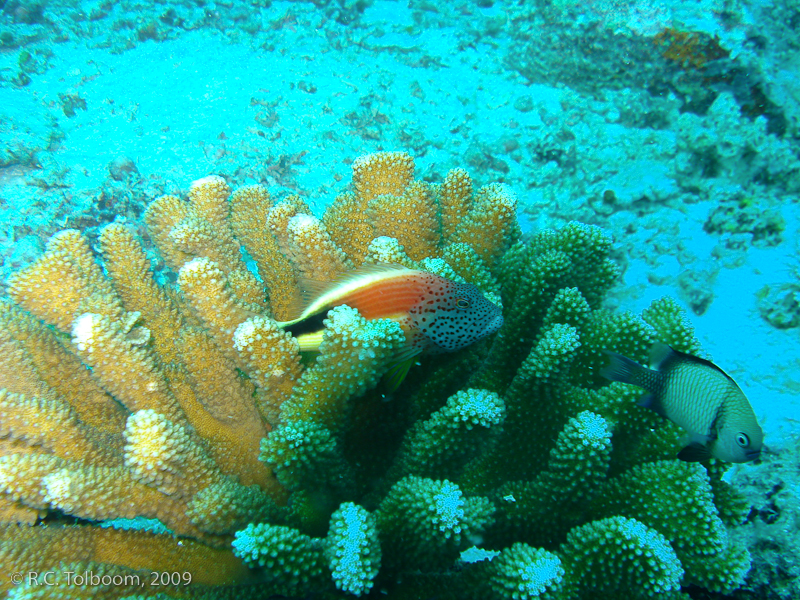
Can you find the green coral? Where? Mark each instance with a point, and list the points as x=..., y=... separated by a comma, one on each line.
x=674, y=498
x=583, y=446
x=293, y=562
x=671, y=326
x=453, y=434
x=352, y=549
x=523, y=573
x=426, y=522
x=616, y=556
x=303, y=454
x=558, y=496
x=348, y=339
x=514, y=445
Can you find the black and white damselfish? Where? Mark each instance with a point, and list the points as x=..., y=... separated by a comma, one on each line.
x=697, y=395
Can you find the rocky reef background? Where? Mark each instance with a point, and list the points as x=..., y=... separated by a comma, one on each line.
x=674, y=128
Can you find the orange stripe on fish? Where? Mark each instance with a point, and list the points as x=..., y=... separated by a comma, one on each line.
x=376, y=291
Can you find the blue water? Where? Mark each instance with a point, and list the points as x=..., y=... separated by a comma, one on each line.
x=675, y=126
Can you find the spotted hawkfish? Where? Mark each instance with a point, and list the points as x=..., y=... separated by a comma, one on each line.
x=435, y=313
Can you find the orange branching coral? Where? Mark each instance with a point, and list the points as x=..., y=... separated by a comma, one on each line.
x=64, y=283
x=490, y=217
x=38, y=362
x=423, y=218
x=73, y=547
x=411, y=219
x=116, y=404
x=271, y=357
x=250, y=210
x=382, y=173
x=313, y=251
x=128, y=266
x=127, y=396
x=201, y=228
x=455, y=197
x=388, y=250
x=279, y=216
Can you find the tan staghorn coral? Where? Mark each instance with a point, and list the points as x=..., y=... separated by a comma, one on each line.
x=250, y=211
x=312, y=250
x=455, y=198
x=411, y=219
x=85, y=549
x=134, y=399
x=487, y=222
x=424, y=218
x=64, y=283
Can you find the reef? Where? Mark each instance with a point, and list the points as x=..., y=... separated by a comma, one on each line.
x=770, y=531
x=158, y=420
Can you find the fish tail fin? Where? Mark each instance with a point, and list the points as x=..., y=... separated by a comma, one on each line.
x=309, y=342
x=301, y=300
x=622, y=369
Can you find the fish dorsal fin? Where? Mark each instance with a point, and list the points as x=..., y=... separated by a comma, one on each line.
x=312, y=289
x=661, y=354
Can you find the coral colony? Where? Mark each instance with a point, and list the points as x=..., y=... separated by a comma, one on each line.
x=160, y=423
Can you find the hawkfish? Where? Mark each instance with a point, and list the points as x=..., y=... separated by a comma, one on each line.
x=436, y=314
x=697, y=395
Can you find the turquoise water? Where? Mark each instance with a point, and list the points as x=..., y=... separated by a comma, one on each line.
x=675, y=126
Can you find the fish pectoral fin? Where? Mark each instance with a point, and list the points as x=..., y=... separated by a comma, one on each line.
x=702, y=438
x=694, y=452
x=309, y=342
x=651, y=402
x=397, y=372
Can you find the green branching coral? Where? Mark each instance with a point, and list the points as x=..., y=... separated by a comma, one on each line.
x=305, y=454
x=348, y=339
x=425, y=522
x=353, y=549
x=443, y=443
x=563, y=489
x=677, y=500
x=293, y=562
x=522, y=573
x=613, y=557
x=518, y=445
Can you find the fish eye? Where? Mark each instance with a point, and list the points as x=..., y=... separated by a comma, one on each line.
x=462, y=303
x=742, y=439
